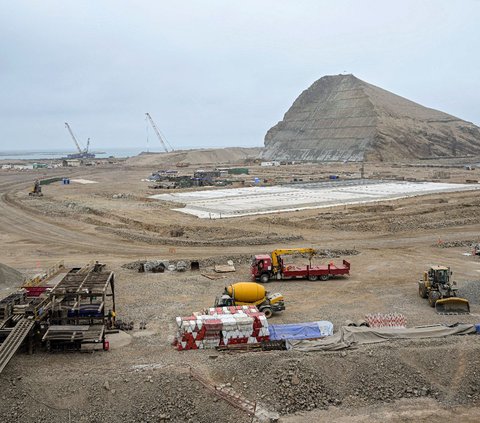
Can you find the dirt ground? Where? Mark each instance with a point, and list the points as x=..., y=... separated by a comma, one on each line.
x=143, y=379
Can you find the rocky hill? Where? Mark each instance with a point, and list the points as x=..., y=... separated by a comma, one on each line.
x=341, y=117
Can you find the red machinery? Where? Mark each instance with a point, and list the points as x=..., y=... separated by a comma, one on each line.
x=265, y=267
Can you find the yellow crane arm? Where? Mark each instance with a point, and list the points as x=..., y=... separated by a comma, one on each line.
x=289, y=251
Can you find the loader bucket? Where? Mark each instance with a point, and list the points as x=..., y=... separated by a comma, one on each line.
x=452, y=305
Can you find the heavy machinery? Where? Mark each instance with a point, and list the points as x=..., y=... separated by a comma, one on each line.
x=265, y=267
x=441, y=291
x=82, y=153
x=36, y=190
x=161, y=138
x=251, y=293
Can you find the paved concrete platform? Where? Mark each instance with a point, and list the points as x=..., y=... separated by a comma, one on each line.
x=234, y=202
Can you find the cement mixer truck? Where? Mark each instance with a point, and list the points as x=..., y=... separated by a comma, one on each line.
x=251, y=293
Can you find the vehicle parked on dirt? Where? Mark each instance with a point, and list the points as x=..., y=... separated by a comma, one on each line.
x=441, y=291
x=251, y=293
x=265, y=267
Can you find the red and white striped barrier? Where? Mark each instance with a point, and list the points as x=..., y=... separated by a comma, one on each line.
x=379, y=320
x=222, y=326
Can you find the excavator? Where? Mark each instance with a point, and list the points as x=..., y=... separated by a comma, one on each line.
x=441, y=291
x=36, y=190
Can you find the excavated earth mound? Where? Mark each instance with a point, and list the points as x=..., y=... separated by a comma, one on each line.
x=9, y=277
x=200, y=157
x=341, y=118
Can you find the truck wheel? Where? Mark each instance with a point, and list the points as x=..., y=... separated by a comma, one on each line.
x=264, y=278
x=267, y=311
x=324, y=277
x=312, y=277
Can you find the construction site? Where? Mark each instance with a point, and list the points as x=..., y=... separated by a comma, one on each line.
x=339, y=281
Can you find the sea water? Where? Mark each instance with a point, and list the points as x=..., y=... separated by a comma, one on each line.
x=58, y=154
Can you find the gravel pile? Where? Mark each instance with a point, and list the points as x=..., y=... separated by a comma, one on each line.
x=138, y=397
x=333, y=253
x=390, y=224
x=420, y=223
x=292, y=382
x=67, y=208
x=458, y=243
x=9, y=277
x=205, y=262
x=153, y=239
x=470, y=290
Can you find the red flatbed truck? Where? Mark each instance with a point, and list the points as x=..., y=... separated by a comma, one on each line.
x=265, y=267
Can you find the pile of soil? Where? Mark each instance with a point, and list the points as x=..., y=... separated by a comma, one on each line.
x=200, y=157
x=152, y=239
x=469, y=290
x=457, y=243
x=9, y=277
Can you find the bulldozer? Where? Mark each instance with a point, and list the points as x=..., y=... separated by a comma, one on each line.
x=441, y=291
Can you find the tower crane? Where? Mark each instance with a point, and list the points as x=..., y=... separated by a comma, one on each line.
x=163, y=141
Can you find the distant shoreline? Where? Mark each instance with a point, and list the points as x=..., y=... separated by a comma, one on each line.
x=57, y=154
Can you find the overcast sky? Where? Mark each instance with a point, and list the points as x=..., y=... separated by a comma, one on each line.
x=218, y=73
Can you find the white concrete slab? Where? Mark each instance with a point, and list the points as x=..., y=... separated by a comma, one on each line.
x=83, y=181
x=234, y=202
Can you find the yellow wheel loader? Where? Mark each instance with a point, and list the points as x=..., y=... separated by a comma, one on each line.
x=441, y=292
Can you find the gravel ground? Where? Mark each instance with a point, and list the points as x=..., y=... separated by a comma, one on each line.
x=157, y=387
x=148, y=380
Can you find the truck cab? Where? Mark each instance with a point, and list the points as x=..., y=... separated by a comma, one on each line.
x=224, y=301
x=261, y=267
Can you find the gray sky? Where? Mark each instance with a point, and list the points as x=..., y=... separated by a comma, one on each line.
x=218, y=73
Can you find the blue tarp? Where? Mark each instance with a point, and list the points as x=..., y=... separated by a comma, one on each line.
x=310, y=330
